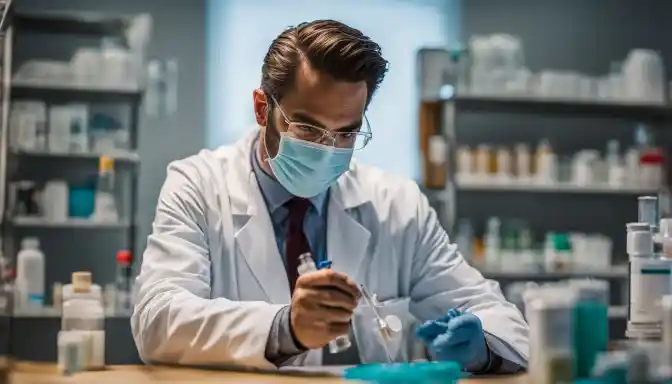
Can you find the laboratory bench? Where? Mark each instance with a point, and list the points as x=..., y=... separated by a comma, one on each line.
x=32, y=373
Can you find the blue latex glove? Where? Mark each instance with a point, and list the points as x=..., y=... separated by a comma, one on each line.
x=456, y=337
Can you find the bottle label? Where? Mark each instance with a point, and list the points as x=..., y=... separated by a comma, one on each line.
x=35, y=298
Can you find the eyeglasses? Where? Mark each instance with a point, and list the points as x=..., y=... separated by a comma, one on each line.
x=355, y=140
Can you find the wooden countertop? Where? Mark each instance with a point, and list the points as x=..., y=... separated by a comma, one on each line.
x=29, y=373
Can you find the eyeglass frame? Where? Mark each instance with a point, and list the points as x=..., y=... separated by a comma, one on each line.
x=325, y=132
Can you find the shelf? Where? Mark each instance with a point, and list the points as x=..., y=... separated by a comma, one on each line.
x=71, y=23
x=617, y=272
x=499, y=186
x=627, y=110
x=51, y=312
x=122, y=157
x=39, y=222
x=25, y=89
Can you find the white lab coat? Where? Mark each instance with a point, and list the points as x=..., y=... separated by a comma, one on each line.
x=212, y=278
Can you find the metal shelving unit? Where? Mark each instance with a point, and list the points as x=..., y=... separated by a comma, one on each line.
x=49, y=91
x=462, y=197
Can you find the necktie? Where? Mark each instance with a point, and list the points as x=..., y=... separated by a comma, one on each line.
x=296, y=242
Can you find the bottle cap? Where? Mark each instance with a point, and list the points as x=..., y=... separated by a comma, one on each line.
x=30, y=243
x=124, y=257
x=106, y=164
x=81, y=282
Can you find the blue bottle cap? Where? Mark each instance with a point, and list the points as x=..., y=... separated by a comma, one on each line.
x=324, y=264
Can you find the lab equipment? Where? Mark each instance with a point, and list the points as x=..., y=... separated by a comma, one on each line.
x=523, y=162
x=483, y=162
x=504, y=164
x=649, y=275
x=28, y=125
x=81, y=200
x=79, y=128
x=30, y=275
x=651, y=165
x=110, y=299
x=420, y=373
x=353, y=249
x=123, y=282
x=464, y=239
x=437, y=154
x=492, y=242
x=550, y=315
x=57, y=296
x=643, y=77
x=84, y=316
x=60, y=123
x=55, y=200
x=105, y=208
x=388, y=326
x=71, y=352
x=546, y=164
x=666, y=304
x=590, y=323
x=307, y=265
x=116, y=63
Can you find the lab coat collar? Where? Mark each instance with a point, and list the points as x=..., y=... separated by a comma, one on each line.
x=347, y=239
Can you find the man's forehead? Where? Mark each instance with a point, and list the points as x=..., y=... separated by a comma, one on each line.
x=316, y=90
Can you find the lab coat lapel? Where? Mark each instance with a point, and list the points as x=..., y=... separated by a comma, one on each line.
x=254, y=234
x=347, y=239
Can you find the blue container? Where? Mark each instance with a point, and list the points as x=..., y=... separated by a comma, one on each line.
x=81, y=200
x=591, y=335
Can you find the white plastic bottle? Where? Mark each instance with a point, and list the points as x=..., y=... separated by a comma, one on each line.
x=30, y=275
x=84, y=315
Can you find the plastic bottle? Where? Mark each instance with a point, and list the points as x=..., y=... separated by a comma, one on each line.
x=30, y=275
x=84, y=315
x=492, y=242
x=105, y=204
x=123, y=282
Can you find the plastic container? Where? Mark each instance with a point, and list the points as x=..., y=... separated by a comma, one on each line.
x=30, y=275
x=591, y=324
x=418, y=373
x=550, y=314
x=84, y=316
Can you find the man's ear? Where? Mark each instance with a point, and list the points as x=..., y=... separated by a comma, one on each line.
x=260, y=107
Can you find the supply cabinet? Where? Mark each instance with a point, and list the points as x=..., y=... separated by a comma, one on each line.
x=462, y=131
x=66, y=105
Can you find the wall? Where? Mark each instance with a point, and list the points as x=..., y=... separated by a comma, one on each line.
x=399, y=26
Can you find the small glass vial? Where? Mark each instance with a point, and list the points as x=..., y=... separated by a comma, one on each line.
x=340, y=343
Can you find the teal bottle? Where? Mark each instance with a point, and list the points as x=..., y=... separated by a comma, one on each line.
x=591, y=334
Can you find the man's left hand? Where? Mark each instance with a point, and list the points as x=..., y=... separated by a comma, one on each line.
x=456, y=337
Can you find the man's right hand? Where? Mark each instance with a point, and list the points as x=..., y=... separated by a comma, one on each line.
x=322, y=305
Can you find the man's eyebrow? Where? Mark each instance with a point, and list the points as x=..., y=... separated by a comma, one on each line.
x=301, y=117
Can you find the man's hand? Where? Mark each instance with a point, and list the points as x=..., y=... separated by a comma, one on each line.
x=322, y=305
x=456, y=337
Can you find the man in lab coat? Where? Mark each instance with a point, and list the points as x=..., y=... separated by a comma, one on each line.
x=219, y=282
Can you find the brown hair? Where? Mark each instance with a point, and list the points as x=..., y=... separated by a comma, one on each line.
x=329, y=46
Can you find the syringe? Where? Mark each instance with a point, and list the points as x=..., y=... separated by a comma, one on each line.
x=306, y=265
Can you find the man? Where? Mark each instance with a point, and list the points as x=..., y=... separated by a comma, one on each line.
x=219, y=281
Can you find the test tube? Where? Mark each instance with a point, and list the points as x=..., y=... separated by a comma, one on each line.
x=306, y=265
x=648, y=211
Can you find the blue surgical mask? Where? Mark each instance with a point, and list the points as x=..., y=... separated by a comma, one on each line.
x=307, y=169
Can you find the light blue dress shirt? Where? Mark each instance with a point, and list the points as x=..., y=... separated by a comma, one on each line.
x=275, y=195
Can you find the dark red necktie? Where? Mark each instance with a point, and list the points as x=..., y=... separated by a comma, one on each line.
x=296, y=242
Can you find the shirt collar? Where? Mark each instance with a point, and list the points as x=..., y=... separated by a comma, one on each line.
x=274, y=193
